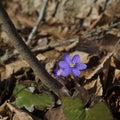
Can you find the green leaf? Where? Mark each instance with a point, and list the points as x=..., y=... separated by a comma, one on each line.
x=24, y=98
x=74, y=110
x=99, y=112
x=73, y=107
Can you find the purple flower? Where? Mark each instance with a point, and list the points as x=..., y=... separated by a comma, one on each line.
x=70, y=65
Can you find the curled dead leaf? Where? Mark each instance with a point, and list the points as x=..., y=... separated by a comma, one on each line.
x=18, y=114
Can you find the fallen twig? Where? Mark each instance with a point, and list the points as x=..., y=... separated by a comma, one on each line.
x=38, y=22
x=48, y=80
x=9, y=55
x=100, y=30
x=48, y=47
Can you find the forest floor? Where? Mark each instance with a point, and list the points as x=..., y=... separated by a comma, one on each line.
x=86, y=28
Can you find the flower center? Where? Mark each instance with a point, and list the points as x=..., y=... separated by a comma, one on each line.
x=72, y=65
x=59, y=72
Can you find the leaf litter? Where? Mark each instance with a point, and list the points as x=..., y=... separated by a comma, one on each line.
x=94, y=27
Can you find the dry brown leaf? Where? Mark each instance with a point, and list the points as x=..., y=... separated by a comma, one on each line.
x=3, y=118
x=41, y=57
x=105, y=71
x=55, y=114
x=61, y=48
x=27, y=6
x=83, y=56
x=49, y=66
x=99, y=88
x=68, y=10
x=116, y=78
x=117, y=73
x=42, y=42
x=91, y=84
x=94, y=86
x=51, y=8
x=113, y=9
x=57, y=30
x=2, y=112
x=50, y=55
x=12, y=68
x=72, y=45
x=25, y=21
x=18, y=114
x=4, y=36
x=99, y=67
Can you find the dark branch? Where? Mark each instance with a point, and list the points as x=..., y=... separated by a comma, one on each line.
x=16, y=40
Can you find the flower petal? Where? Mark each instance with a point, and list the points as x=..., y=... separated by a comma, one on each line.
x=66, y=72
x=67, y=58
x=75, y=71
x=76, y=59
x=63, y=64
x=81, y=66
x=56, y=72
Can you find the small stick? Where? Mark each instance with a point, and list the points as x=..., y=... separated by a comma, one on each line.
x=9, y=55
x=49, y=47
x=38, y=22
x=100, y=30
